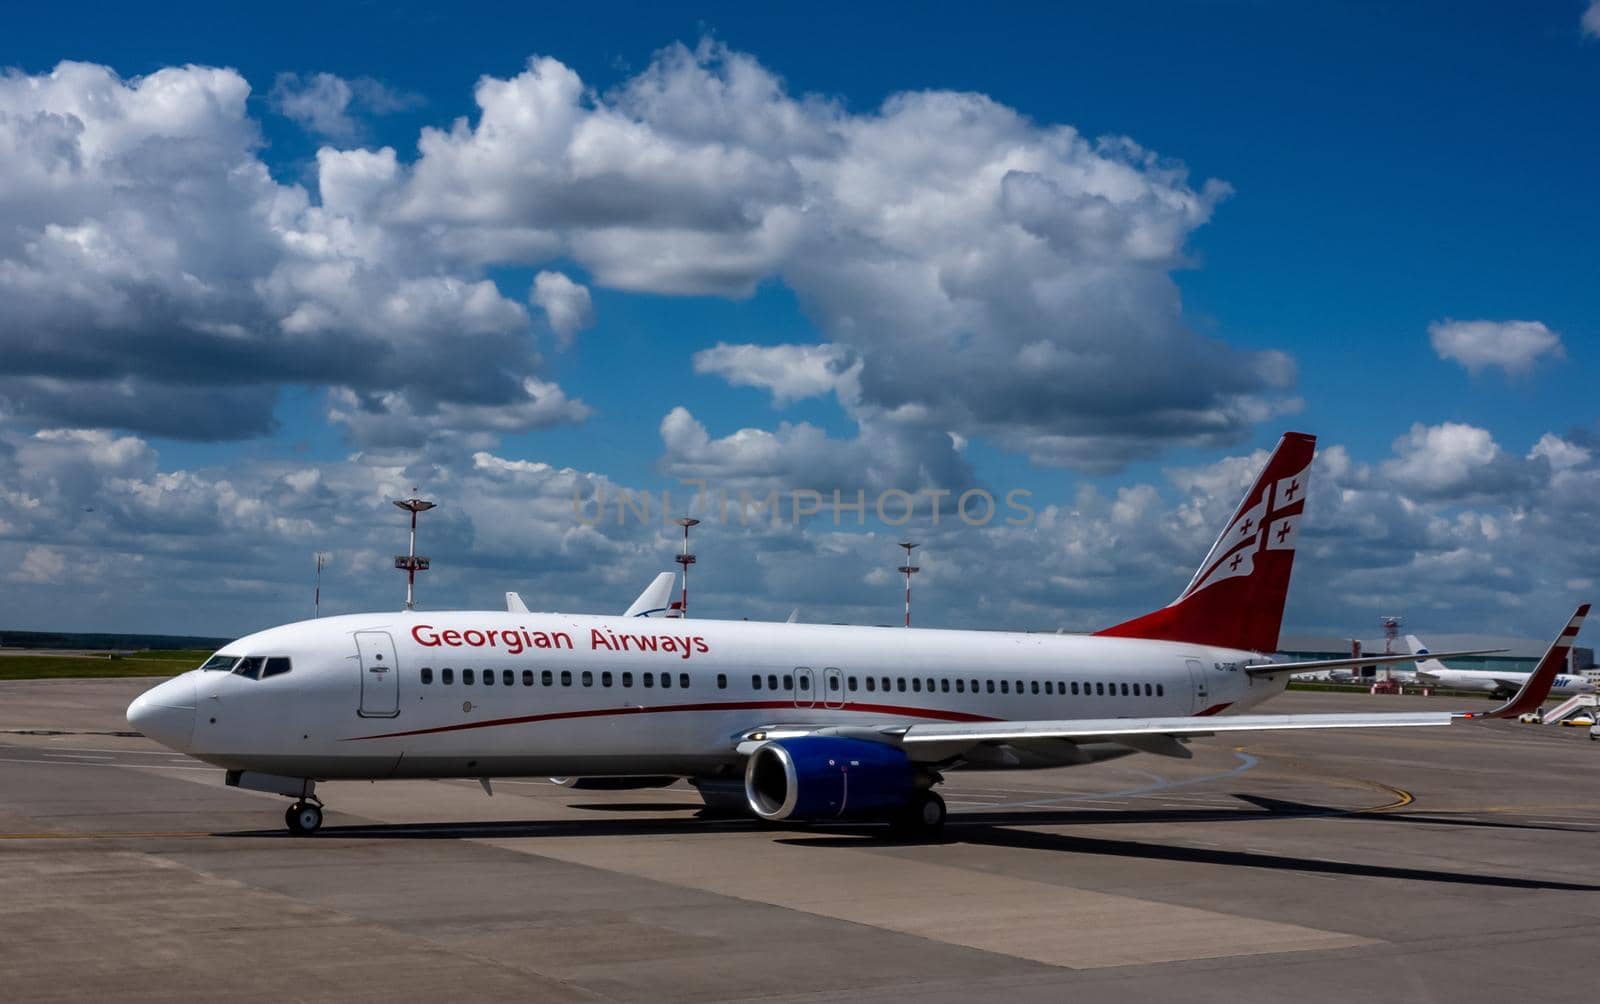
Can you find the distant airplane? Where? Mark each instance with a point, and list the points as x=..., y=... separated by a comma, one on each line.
x=795, y=722
x=1497, y=682
x=653, y=601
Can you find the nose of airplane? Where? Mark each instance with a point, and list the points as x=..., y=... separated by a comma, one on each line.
x=165, y=713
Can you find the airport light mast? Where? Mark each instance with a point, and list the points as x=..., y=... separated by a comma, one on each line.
x=412, y=562
x=685, y=559
x=316, y=593
x=1391, y=632
x=909, y=570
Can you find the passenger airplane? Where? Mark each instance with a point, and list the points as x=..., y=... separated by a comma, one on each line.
x=1434, y=672
x=793, y=722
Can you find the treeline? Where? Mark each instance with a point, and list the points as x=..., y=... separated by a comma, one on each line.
x=126, y=642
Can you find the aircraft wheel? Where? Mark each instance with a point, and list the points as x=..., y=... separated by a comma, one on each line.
x=303, y=819
x=923, y=817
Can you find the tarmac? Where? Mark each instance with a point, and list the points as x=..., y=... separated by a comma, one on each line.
x=1393, y=865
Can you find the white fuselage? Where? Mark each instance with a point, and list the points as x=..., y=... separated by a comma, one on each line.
x=1565, y=685
x=367, y=695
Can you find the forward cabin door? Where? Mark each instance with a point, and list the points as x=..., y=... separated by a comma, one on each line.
x=380, y=675
x=1197, y=676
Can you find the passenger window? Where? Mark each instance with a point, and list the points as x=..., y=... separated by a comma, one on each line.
x=1100, y=690
x=649, y=679
x=1005, y=686
x=1124, y=690
x=627, y=679
x=468, y=678
x=250, y=668
x=588, y=678
x=666, y=680
x=772, y=681
x=900, y=684
x=527, y=678
x=961, y=686
x=974, y=686
x=1074, y=688
x=883, y=685
x=547, y=678
x=605, y=678
x=426, y=674
x=722, y=681
x=916, y=684
x=566, y=677
x=1049, y=688
x=683, y=681
x=1149, y=691
x=989, y=686
x=1034, y=686
x=872, y=684
x=755, y=681
x=788, y=682
x=275, y=666
x=851, y=683
x=944, y=686
x=930, y=684
x=447, y=676
x=1161, y=690
x=805, y=683
x=488, y=678
x=508, y=678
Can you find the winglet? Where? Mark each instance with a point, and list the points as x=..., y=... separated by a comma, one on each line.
x=1537, y=687
x=514, y=604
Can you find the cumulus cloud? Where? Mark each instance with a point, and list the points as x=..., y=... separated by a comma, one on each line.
x=789, y=372
x=1513, y=346
x=565, y=303
x=330, y=106
x=999, y=277
x=158, y=279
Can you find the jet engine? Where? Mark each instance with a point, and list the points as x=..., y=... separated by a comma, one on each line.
x=827, y=777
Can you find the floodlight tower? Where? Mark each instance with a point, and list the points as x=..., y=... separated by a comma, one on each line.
x=685, y=559
x=412, y=562
x=316, y=593
x=1391, y=632
x=908, y=569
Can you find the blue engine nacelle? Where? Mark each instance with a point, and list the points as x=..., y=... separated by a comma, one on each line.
x=826, y=777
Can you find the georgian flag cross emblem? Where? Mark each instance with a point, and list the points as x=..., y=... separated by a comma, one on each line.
x=1262, y=527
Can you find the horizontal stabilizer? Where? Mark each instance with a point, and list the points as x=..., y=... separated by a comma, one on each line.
x=1274, y=668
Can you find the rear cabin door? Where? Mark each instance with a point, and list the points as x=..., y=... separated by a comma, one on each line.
x=1197, y=675
x=380, y=675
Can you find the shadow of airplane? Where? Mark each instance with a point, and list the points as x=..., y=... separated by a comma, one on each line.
x=995, y=829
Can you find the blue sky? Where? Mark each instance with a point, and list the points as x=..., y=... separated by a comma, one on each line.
x=1386, y=170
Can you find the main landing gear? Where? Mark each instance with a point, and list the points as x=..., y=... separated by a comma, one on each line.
x=923, y=817
x=304, y=818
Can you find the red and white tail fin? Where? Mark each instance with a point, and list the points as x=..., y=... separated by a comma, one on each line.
x=1536, y=687
x=1236, y=597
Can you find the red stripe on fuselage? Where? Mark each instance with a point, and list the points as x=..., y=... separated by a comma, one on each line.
x=881, y=709
x=1215, y=709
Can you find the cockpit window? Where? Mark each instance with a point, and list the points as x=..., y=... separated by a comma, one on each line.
x=276, y=666
x=249, y=667
x=220, y=662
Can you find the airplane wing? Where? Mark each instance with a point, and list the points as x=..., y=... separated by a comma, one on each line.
x=655, y=599
x=939, y=741
x=1273, y=668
